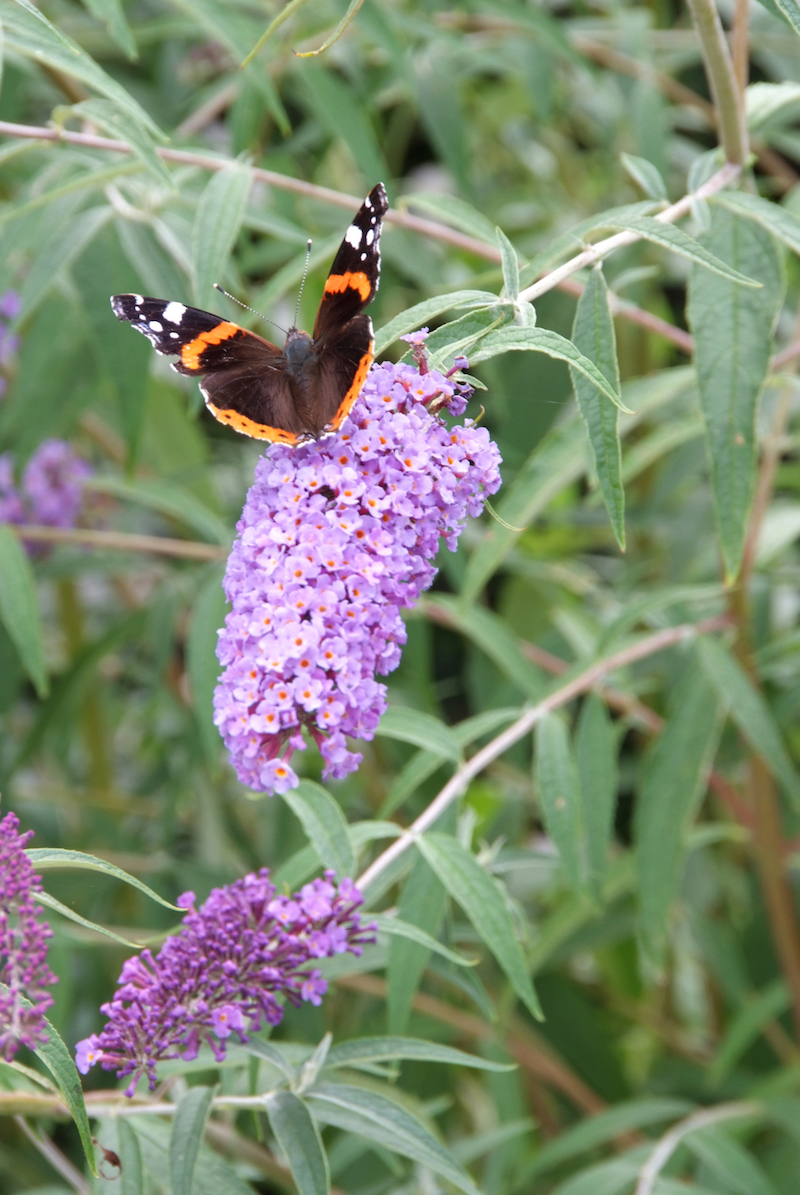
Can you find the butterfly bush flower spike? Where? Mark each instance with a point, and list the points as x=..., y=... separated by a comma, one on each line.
x=235, y=960
x=23, y=946
x=52, y=492
x=337, y=536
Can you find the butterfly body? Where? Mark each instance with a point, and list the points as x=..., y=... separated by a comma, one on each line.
x=282, y=395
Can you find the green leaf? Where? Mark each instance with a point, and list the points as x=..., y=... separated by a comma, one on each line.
x=422, y=903
x=169, y=499
x=386, y=1049
x=216, y=226
x=492, y=635
x=259, y=1048
x=593, y=334
x=452, y=210
x=675, y=239
x=371, y=1115
x=672, y=784
x=732, y=329
x=730, y=1163
x=112, y=15
x=119, y=124
x=481, y=899
x=750, y=712
x=341, y=112
x=559, y=792
x=208, y=617
x=123, y=359
x=130, y=1156
x=65, y=243
x=50, y=902
x=324, y=824
x=775, y=219
x=19, y=608
x=596, y=755
x=541, y=340
x=35, y=38
x=745, y=1027
x=603, y=1127
x=422, y=730
x=510, y=266
x=763, y=101
x=788, y=9
x=645, y=175
x=43, y=858
x=556, y=462
x=397, y=927
x=300, y=1141
x=188, y=1126
x=421, y=314
x=58, y=1060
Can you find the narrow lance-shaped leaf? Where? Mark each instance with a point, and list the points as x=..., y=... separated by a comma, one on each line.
x=187, y=1133
x=671, y=786
x=732, y=328
x=325, y=825
x=19, y=608
x=58, y=1060
x=299, y=1139
x=208, y=615
x=510, y=266
x=422, y=903
x=480, y=898
x=593, y=334
x=750, y=712
x=595, y=750
x=559, y=791
x=216, y=227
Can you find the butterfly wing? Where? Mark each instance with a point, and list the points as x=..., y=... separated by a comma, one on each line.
x=242, y=376
x=343, y=336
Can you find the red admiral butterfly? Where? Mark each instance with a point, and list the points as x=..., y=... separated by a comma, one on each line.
x=288, y=394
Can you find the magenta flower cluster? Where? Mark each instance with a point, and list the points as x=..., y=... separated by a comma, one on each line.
x=23, y=945
x=225, y=972
x=336, y=537
x=52, y=489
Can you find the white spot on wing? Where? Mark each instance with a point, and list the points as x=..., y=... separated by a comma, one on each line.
x=173, y=335
x=138, y=300
x=353, y=236
x=370, y=236
x=173, y=312
x=155, y=326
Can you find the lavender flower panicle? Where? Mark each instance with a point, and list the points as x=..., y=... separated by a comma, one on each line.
x=52, y=492
x=336, y=537
x=23, y=945
x=223, y=973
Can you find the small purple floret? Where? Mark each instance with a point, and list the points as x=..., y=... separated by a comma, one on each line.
x=52, y=492
x=337, y=536
x=224, y=973
x=23, y=945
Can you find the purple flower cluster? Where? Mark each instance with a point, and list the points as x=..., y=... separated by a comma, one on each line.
x=223, y=973
x=10, y=304
x=336, y=537
x=52, y=490
x=23, y=945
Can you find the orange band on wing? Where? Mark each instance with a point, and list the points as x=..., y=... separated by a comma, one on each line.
x=337, y=283
x=192, y=352
x=249, y=427
x=346, y=405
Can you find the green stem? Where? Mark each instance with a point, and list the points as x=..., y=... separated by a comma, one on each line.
x=722, y=79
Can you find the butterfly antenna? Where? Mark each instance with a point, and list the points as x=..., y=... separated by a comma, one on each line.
x=302, y=281
x=233, y=299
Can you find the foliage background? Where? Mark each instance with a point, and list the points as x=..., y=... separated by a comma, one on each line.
x=658, y=916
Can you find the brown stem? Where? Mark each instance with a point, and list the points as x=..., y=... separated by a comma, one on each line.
x=160, y=545
x=402, y=219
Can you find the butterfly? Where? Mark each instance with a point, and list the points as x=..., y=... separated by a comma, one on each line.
x=283, y=395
